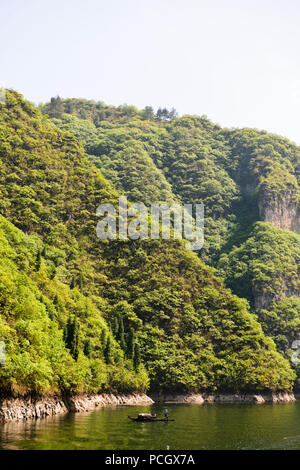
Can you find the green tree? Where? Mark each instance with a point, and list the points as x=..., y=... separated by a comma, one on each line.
x=130, y=344
x=87, y=348
x=52, y=273
x=71, y=337
x=38, y=260
x=116, y=327
x=80, y=282
x=107, y=351
x=136, y=356
x=72, y=284
x=121, y=334
x=103, y=338
x=148, y=113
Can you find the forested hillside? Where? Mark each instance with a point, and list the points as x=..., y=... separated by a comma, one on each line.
x=56, y=338
x=81, y=314
x=247, y=179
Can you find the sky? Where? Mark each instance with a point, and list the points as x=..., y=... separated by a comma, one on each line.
x=235, y=61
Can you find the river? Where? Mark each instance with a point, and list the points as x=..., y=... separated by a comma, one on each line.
x=209, y=426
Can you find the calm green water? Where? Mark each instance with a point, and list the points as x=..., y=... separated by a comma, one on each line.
x=196, y=427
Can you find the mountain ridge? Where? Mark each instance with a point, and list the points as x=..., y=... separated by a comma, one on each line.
x=244, y=177
x=168, y=320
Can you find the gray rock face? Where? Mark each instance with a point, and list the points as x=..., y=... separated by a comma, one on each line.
x=282, y=212
x=196, y=398
x=263, y=299
x=87, y=403
x=15, y=409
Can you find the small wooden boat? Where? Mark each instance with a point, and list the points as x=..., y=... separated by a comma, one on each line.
x=144, y=417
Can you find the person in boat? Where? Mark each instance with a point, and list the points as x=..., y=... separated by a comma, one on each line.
x=166, y=414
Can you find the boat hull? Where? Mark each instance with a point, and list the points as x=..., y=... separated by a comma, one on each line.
x=146, y=419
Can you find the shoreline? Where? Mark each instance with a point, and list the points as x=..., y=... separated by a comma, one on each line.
x=17, y=409
x=201, y=398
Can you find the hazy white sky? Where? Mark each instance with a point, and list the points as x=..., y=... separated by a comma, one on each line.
x=237, y=61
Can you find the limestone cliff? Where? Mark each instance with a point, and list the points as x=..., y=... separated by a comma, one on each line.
x=282, y=211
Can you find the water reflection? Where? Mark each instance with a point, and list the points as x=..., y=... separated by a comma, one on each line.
x=195, y=427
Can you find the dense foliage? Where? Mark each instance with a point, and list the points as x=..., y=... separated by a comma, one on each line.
x=36, y=308
x=265, y=266
x=236, y=173
x=231, y=172
x=266, y=270
x=116, y=308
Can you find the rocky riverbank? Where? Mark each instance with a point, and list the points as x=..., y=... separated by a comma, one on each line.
x=197, y=398
x=14, y=409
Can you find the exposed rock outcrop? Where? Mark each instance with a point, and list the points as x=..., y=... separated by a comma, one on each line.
x=197, y=398
x=14, y=409
x=89, y=402
x=262, y=299
x=281, y=211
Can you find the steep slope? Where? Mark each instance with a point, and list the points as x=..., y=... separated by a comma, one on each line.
x=267, y=167
x=242, y=177
x=162, y=303
x=39, y=316
x=268, y=254
x=194, y=333
x=124, y=156
x=266, y=270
